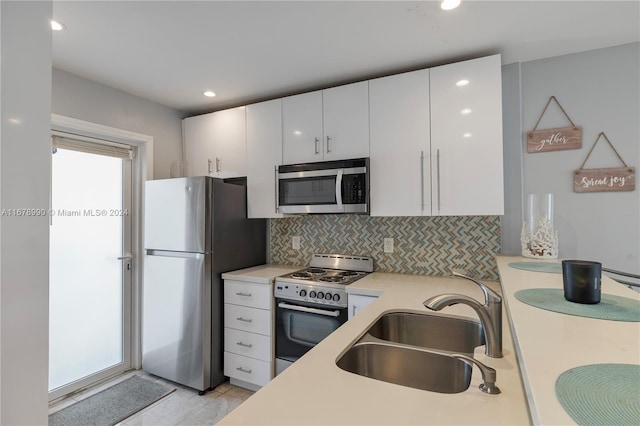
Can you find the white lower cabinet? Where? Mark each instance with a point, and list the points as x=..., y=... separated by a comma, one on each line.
x=248, y=333
x=358, y=302
x=248, y=370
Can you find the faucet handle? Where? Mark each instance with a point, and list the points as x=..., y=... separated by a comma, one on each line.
x=488, y=374
x=489, y=295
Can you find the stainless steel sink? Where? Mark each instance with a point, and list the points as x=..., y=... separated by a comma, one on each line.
x=406, y=366
x=429, y=331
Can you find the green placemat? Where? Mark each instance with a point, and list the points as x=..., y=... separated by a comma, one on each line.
x=614, y=308
x=601, y=394
x=548, y=267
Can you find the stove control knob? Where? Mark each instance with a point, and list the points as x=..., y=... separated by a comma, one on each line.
x=312, y=294
x=336, y=297
x=320, y=295
x=328, y=296
x=303, y=293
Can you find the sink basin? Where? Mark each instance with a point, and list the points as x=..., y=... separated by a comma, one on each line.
x=413, y=367
x=429, y=331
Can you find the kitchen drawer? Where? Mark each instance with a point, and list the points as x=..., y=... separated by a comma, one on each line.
x=247, y=319
x=248, y=369
x=248, y=344
x=248, y=294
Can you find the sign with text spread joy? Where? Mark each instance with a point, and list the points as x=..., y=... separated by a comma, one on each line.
x=556, y=139
x=604, y=180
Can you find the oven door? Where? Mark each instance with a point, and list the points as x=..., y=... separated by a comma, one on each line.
x=301, y=326
x=342, y=187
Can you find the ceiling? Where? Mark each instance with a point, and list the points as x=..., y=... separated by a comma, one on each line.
x=171, y=51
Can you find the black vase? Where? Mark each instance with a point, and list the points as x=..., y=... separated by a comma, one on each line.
x=581, y=280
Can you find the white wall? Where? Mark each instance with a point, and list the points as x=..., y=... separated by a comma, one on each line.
x=25, y=153
x=600, y=90
x=77, y=97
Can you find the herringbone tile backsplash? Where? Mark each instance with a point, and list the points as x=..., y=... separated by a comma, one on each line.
x=423, y=245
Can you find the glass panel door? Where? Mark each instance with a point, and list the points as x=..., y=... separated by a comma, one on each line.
x=90, y=269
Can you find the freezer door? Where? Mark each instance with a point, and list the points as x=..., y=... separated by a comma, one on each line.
x=176, y=339
x=176, y=214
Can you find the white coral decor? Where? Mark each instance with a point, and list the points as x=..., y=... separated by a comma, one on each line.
x=542, y=243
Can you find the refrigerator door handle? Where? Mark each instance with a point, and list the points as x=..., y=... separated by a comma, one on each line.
x=127, y=256
x=168, y=253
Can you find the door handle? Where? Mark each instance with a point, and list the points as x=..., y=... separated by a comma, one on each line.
x=244, y=319
x=339, y=205
x=328, y=144
x=217, y=165
x=128, y=257
x=316, y=140
x=239, y=293
x=422, y=180
x=277, y=185
x=438, y=174
x=245, y=345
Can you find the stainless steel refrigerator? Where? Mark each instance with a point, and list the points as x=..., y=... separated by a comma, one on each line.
x=195, y=229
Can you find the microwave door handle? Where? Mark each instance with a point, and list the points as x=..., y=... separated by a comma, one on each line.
x=339, y=205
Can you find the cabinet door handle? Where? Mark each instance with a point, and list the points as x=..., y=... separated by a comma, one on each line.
x=438, y=175
x=209, y=165
x=217, y=165
x=328, y=144
x=422, y=180
x=353, y=311
x=245, y=345
x=277, y=188
x=243, y=370
x=244, y=319
x=316, y=145
x=243, y=294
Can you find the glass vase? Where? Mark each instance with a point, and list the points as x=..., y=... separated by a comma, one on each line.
x=538, y=237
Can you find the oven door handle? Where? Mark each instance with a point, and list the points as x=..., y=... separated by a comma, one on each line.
x=334, y=314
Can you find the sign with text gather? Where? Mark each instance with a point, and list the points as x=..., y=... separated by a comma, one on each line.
x=604, y=180
x=554, y=139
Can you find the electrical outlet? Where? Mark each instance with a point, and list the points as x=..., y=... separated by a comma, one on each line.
x=388, y=245
x=295, y=243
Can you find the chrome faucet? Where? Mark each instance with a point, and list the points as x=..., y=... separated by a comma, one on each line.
x=488, y=374
x=490, y=313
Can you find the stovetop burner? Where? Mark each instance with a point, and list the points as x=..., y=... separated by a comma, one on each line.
x=302, y=275
x=334, y=278
x=315, y=271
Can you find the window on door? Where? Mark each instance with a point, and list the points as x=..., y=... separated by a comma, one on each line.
x=90, y=262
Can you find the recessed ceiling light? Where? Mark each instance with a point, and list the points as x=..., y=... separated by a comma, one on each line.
x=209, y=93
x=465, y=111
x=466, y=135
x=462, y=83
x=57, y=26
x=449, y=4
x=297, y=132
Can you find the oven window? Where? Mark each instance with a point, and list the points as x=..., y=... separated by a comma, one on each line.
x=308, y=191
x=307, y=329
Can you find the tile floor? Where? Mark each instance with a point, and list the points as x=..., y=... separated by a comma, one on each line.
x=182, y=407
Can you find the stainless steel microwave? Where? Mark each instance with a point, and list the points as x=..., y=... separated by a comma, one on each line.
x=340, y=186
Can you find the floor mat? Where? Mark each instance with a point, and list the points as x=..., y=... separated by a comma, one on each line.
x=111, y=405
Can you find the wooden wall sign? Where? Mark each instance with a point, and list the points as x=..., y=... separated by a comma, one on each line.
x=556, y=139
x=604, y=180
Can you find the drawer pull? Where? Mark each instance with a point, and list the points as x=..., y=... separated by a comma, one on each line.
x=246, y=345
x=244, y=319
x=243, y=370
x=243, y=294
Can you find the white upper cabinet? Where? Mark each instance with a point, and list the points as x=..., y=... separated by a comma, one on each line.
x=328, y=124
x=346, y=121
x=215, y=144
x=466, y=138
x=399, y=150
x=264, y=155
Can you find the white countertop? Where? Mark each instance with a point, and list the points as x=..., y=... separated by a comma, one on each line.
x=262, y=274
x=315, y=391
x=550, y=343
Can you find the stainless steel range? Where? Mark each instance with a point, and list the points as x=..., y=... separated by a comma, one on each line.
x=312, y=303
